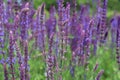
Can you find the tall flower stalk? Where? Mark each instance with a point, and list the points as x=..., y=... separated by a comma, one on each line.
x=24, y=22
x=26, y=61
x=61, y=25
x=118, y=43
x=99, y=75
x=40, y=29
x=50, y=59
x=103, y=25
x=20, y=62
x=11, y=55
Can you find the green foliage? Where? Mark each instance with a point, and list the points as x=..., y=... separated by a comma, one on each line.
x=103, y=58
x=113, y=5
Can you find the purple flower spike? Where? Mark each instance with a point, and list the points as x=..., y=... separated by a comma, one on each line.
x=22, y=72
x=118, y=42
x=26, y=60
x=51, y=23
x=114, y=26
x=5, y=71
x=103, y=25
x=99, y=75
x=11, y=54
x=50, y=63
x=40, y=29
x=9, y=9
x=2, y=33
x=24, y=22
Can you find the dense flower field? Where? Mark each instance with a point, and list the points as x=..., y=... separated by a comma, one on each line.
x=62, y=44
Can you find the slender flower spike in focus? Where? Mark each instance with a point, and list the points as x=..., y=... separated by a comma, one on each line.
x=118, y=42
x=103, y=25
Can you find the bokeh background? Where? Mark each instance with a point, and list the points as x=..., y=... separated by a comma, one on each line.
x=113, y=5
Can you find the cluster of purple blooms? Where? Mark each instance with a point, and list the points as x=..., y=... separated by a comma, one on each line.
x=66, y=27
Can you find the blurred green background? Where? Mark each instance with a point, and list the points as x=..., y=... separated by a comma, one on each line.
x=113, y=5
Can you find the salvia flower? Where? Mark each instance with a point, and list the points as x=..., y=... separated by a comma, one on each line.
x=40, y=29
x=26, y=60
x=4, y=63
x=51, y=22
x=50, y=63
x=20, y=62
x=1, y=26
x=5, y=71
x=114, y=27
x=99, y=75
x=118, y=42
x=103, y=25
x=11, y=54
x=24, y=22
